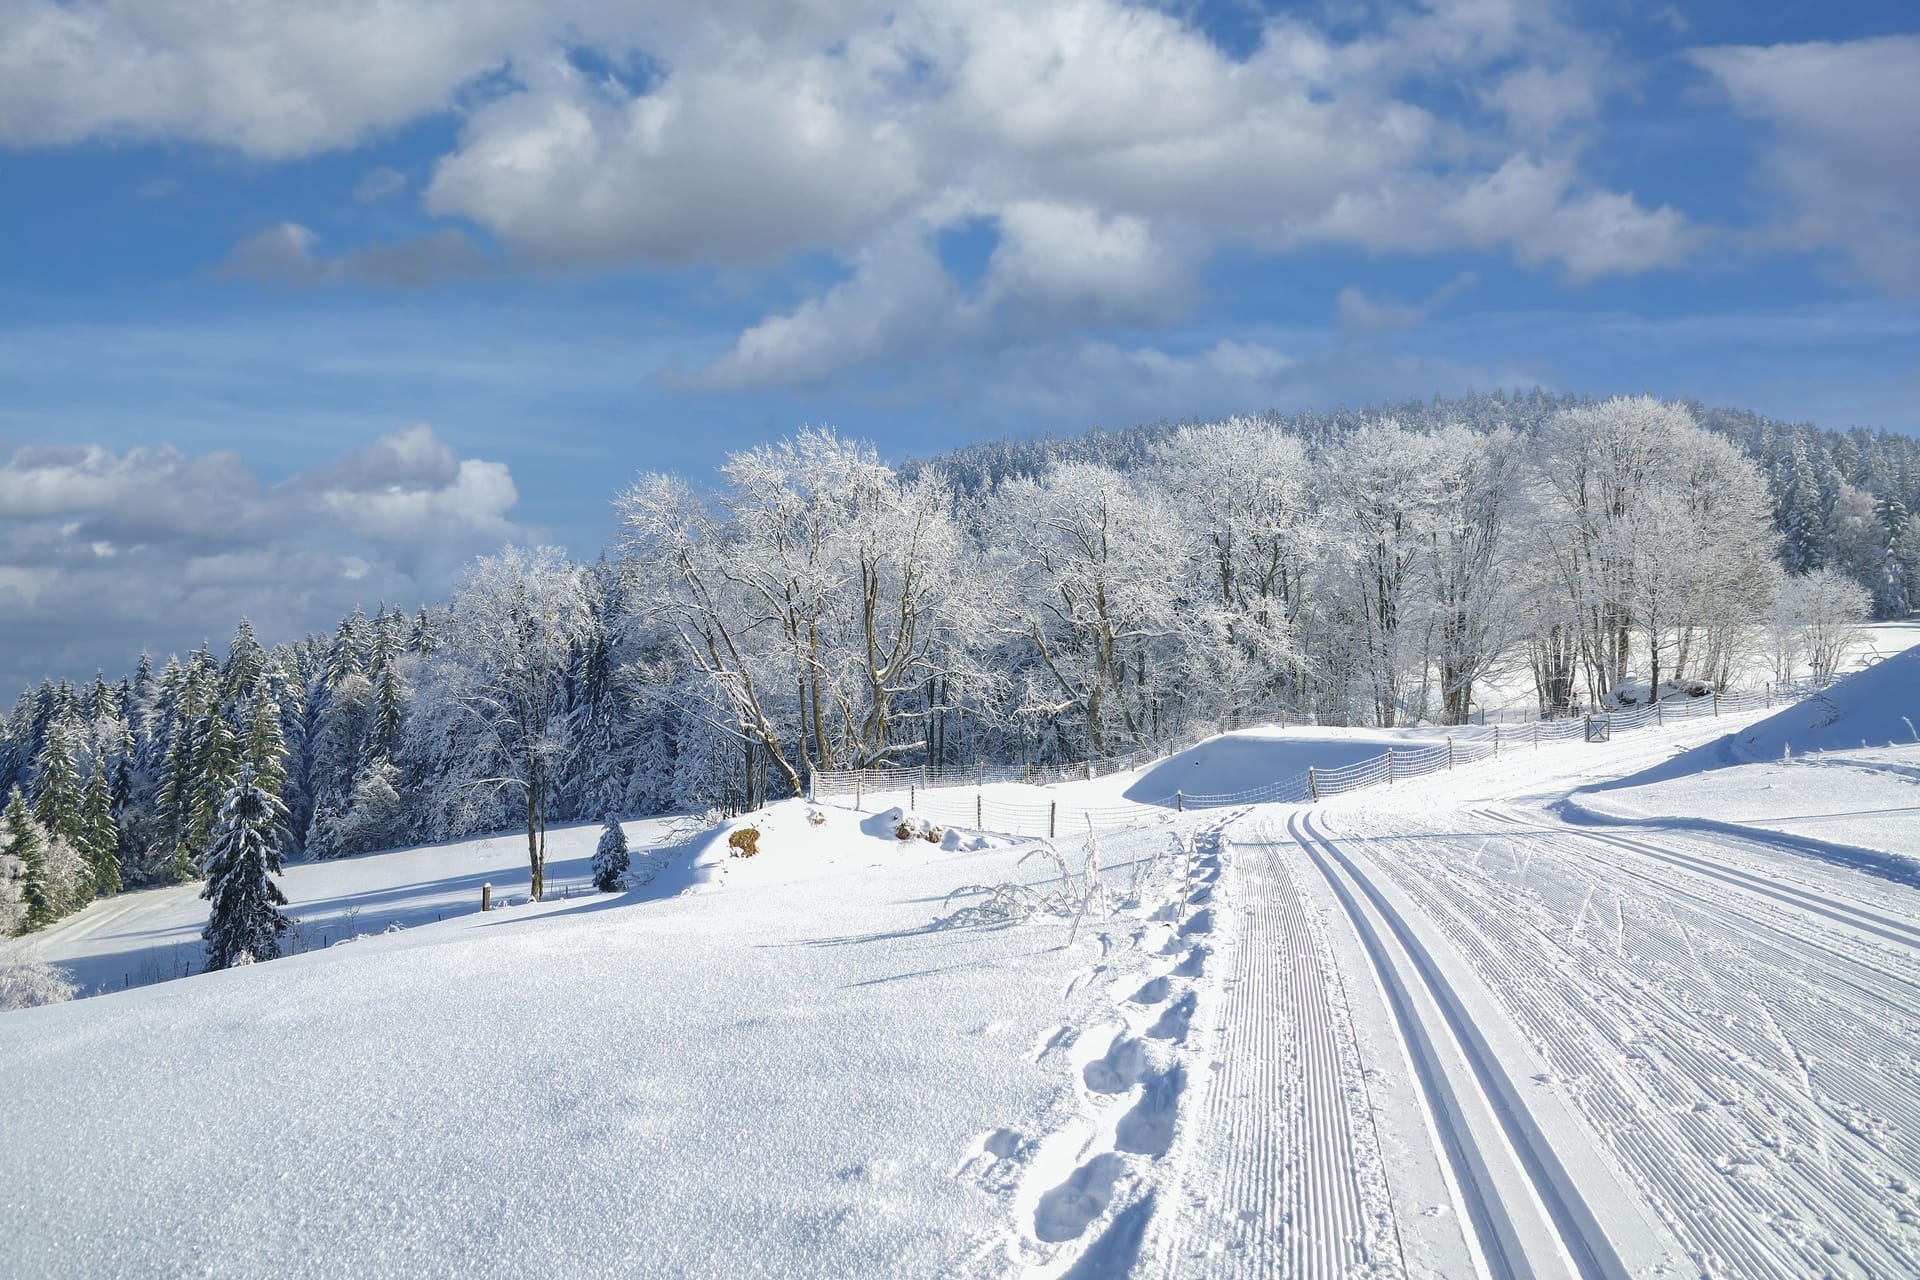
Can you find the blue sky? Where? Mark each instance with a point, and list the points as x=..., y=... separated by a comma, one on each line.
x=394, y=282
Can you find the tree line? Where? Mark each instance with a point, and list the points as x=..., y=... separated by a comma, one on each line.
x=816, y=607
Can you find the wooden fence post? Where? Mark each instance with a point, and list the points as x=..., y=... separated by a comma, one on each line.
x=913, y=797
x=1496, y=742
x=1053, y=817
x=856, y=795
x=1313, y=787
x=1449, y=753
x=1389, y=766
x=979, y=809
x=1179, y=802
x=486, y=897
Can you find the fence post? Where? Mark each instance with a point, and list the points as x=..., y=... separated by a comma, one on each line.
x=1449, y=753
x=1769, y=695
x=1496, y=742
x=1179, y=802
x=1659, y=716
x=1536, y=735
x=1389, y=766
x=979, y=808
x=1313, y=788
x=1053, y=816
x=1716, y=704
x=486, y=896
x=913, y=797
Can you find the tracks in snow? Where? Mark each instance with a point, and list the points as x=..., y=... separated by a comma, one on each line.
x=1529, y=1215
x=1286, y=1176
x=1748, y=1065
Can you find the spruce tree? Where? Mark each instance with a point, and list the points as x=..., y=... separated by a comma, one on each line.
x=265, y=750
x=99, y=837
x=58, y=788
x=25, y=841
x=245, y=923
x=610, y=860
x=216, y=765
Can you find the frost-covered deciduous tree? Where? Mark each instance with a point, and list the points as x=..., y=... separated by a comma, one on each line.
x=490, y=707
x=26, y=981
x=1825, y=611
x=1473, y=607
x=1087, y=565
x=1381, y=502
x=1243, y=489
x=245, y=923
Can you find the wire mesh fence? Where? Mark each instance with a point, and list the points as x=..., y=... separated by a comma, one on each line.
x=941, y=792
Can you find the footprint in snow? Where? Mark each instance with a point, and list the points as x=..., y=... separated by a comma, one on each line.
x=1065, y=1212
x=1122, y=1067
x=1174, y=1021
x=1202, y=922
x=1154, y=991
x=1148, y=1129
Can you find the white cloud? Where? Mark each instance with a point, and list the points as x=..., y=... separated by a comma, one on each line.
x=1842, y=153
x=1115, y=144
x=1359, y=316
x=745, y=160
x=102, y=552
x=271, y=80
x=899, y=296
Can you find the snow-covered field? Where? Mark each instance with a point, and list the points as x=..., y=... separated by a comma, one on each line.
x=1648, y=1007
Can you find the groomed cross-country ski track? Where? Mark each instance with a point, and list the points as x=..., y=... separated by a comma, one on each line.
x=1476, y=1038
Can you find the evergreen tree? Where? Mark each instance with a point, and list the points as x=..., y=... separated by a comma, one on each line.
x=58, y=789
x=26, y=842
x=245, y=661
x=245, y=923
x=265, y=750
x=99, y=836
x=216, y=764
x=389, y=708
x=610, y=860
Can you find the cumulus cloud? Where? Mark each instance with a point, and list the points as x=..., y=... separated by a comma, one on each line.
x=1114, y=145
x=271, y=80
x=743, y=161
x=102, y=552
x=1841, y=151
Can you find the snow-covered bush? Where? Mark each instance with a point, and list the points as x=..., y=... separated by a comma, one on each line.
x=610, y=859
x=26, y=981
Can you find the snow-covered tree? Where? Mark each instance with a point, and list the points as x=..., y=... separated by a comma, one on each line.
x=26, y=981
x=245, y=923
x=610, y=858
x=493, y=690
x=1827, y=610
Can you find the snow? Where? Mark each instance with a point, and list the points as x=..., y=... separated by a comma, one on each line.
x=1842, y=768
x=1580, y=1009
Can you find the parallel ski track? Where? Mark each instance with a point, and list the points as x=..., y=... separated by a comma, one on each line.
x=1291, y=1194
x=1904, y=932
x=1405, y=966
x=1751, y=1113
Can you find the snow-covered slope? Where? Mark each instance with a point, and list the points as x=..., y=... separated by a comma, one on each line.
x=1425, y=1030
x=1841, y=769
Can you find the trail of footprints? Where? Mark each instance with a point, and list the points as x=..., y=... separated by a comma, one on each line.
x=1130, y=1077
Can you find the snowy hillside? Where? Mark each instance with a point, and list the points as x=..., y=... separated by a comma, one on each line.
x=1430, y=1029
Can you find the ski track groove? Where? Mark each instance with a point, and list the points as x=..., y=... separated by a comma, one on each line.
x=1292, y=1131
x=1682, y=1063
x=1572, y=1220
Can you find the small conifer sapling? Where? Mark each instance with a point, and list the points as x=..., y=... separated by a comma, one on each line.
x=610, y=859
